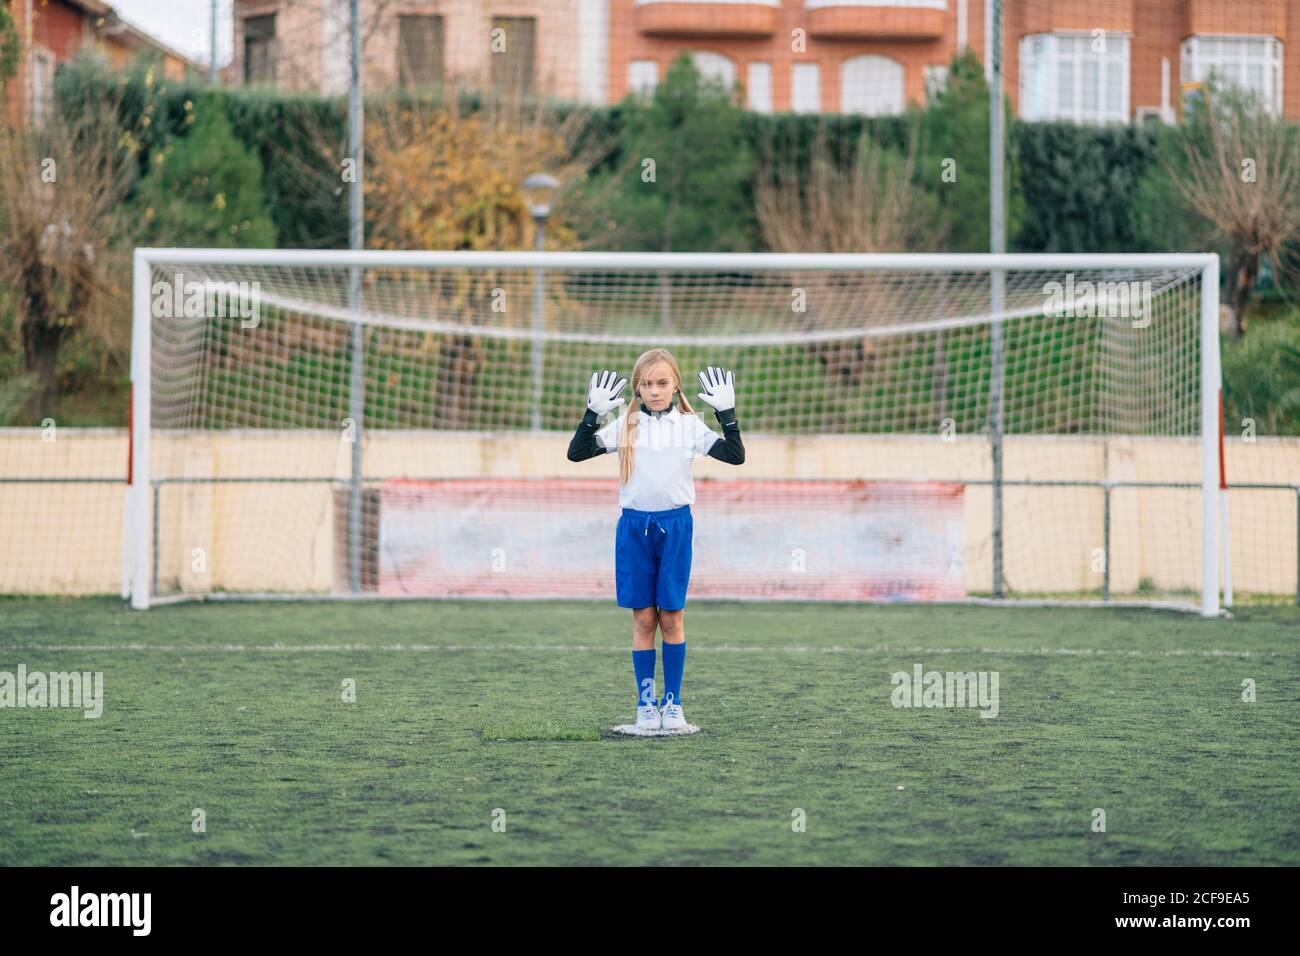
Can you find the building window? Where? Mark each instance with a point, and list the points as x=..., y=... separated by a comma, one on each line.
x=42, y=88
x=514, y=66
x=259, y=49
x=420, y=46
x=715, y=66
x=1078, y=78
x=1250, y=64
x=871, y=85
x=758, y=89
x=816, y=4
x=642, y=77
x=806, y=88
x=335, y=54
x=936, y=81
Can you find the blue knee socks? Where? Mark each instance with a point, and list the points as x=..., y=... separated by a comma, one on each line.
x=674, y=665
x=643, y=665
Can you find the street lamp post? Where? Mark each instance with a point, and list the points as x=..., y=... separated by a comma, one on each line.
x=538, y=190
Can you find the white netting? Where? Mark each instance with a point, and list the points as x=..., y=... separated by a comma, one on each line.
x=863, y=393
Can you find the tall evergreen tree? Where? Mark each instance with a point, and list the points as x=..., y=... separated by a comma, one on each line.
x=955, y=138
x=686, y=163
x=205, y=188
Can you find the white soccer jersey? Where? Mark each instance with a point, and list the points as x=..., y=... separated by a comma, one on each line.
x=666, y=444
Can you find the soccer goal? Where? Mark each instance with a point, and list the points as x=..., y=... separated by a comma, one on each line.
x=920, y=427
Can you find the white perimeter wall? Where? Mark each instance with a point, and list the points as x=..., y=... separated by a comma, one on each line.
x=66, y=538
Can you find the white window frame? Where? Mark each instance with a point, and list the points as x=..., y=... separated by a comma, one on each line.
x=642, y=77
x=336, y=47
x=890, y=105
x=811, y=94
x=758, y=87
x=44, y=63
x=934, y=79
x=760, y=3
x=818, y=4
x=713, y=65
x=1043, y=54
x=1202, y=54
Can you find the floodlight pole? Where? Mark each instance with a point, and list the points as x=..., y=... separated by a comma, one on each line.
x=356, y=343
x=538, y=190
x=997, y=278
x=539, y=365
x=212, y=61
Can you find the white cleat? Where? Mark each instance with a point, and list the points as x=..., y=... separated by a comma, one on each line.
x=647, y=717
x=673, y=718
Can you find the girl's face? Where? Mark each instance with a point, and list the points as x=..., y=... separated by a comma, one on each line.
x=658, y=387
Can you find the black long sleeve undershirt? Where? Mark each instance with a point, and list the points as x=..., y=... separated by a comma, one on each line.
x=584, y=444
x=728, y=448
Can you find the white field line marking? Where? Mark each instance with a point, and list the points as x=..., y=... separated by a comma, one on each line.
x=696, y=648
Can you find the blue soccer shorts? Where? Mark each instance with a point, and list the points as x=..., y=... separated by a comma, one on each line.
x=652, y=558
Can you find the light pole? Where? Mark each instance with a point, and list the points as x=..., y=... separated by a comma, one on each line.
x=538, y=190
x=212, y=55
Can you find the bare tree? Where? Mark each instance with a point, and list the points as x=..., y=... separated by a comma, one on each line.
x=444, y=176
x=446, y=171
x=860, y=199
x=63, y=239
x=1239, y=168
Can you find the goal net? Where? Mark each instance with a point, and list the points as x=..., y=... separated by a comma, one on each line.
x=918, y=427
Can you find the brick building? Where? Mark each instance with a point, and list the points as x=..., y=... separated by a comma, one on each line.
x=51, y=31
x=548, y=46
x=1082, y=60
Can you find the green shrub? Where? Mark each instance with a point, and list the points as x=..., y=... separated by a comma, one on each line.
x=205, y=188
x=1081, y=186
x=693, y=196
x=955, y=126
x=1261, y=378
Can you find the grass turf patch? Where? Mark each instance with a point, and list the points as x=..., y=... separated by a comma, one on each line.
x=539, y=730
x=239, y=712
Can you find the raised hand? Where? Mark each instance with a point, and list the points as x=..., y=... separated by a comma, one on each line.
x=719, y=388
x=602, y=396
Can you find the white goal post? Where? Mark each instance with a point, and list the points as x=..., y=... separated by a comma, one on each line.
x=293, y=438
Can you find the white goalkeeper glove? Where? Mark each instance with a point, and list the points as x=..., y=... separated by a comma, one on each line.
x=602, y=396
x=719, y=388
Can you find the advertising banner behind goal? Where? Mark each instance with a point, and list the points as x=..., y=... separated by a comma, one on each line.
x=811, y=540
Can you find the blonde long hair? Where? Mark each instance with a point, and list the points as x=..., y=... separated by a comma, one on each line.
x=631, y=412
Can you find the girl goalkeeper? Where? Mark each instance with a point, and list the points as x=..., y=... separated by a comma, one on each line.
x=656, y=444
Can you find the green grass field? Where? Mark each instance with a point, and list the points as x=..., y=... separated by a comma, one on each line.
x=466, y=708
